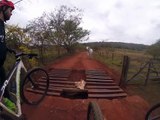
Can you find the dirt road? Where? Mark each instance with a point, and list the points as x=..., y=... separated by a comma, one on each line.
x=58, y=108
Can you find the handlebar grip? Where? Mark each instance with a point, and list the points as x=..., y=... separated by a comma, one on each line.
x=18, y=54
x=31, y=55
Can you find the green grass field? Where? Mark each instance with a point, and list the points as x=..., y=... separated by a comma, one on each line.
x=138, y=59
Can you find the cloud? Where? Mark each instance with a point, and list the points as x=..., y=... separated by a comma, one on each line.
x=136, y=21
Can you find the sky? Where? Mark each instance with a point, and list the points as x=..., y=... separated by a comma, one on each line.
x=129, y=21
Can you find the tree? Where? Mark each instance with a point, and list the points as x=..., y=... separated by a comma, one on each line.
x=72, y=33
x=154, y=49
x=65, y=27
x=16, y=38
x=38, y=32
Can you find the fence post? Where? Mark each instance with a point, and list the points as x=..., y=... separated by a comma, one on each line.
x=124, y=71
x=148, y=72
x=112, y=56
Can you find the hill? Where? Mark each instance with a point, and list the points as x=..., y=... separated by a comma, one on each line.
x=121, y=45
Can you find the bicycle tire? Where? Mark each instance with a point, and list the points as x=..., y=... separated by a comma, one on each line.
x=5, y=117
x=150, y=111
x=35, y=86
x=94, y=112
x=9, y=117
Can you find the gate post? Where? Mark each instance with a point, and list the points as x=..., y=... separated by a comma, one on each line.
x=148, y=72
x=124, y=72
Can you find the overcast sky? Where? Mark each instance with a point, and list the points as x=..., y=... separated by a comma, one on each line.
x=131, y=21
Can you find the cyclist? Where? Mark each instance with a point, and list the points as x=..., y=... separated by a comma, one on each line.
x=6, y=8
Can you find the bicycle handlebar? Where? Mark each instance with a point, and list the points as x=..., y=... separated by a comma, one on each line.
x=29, y=55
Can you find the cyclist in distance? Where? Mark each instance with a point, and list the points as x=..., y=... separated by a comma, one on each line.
x=6, y=8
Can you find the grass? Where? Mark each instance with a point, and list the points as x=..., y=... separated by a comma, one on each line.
x=150, y=92
x=116, y=64
x=136, y=86
x=50, y=55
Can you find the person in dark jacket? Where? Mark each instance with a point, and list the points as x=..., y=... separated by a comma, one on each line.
x=6, y=8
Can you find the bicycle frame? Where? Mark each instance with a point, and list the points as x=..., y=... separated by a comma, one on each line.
x=16, y=68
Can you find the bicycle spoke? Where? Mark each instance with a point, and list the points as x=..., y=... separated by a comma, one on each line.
x=33, y=92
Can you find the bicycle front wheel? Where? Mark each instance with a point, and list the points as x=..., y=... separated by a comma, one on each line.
x=94, y=112
x=153, y=113
x=5, y=117
x=35, y=86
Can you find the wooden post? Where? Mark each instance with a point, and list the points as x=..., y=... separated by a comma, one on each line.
x=112, y=56
x=148, y=72
x=124, y=73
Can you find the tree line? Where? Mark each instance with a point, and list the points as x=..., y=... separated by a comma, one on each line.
x=120, y=45
x=153, y=49
x=59, y=28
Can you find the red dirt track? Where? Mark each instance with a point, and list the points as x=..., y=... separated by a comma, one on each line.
x=58, y=108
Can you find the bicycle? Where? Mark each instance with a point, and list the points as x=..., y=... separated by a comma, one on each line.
x=153, y=113
x=28, y=90
x=94, y=112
